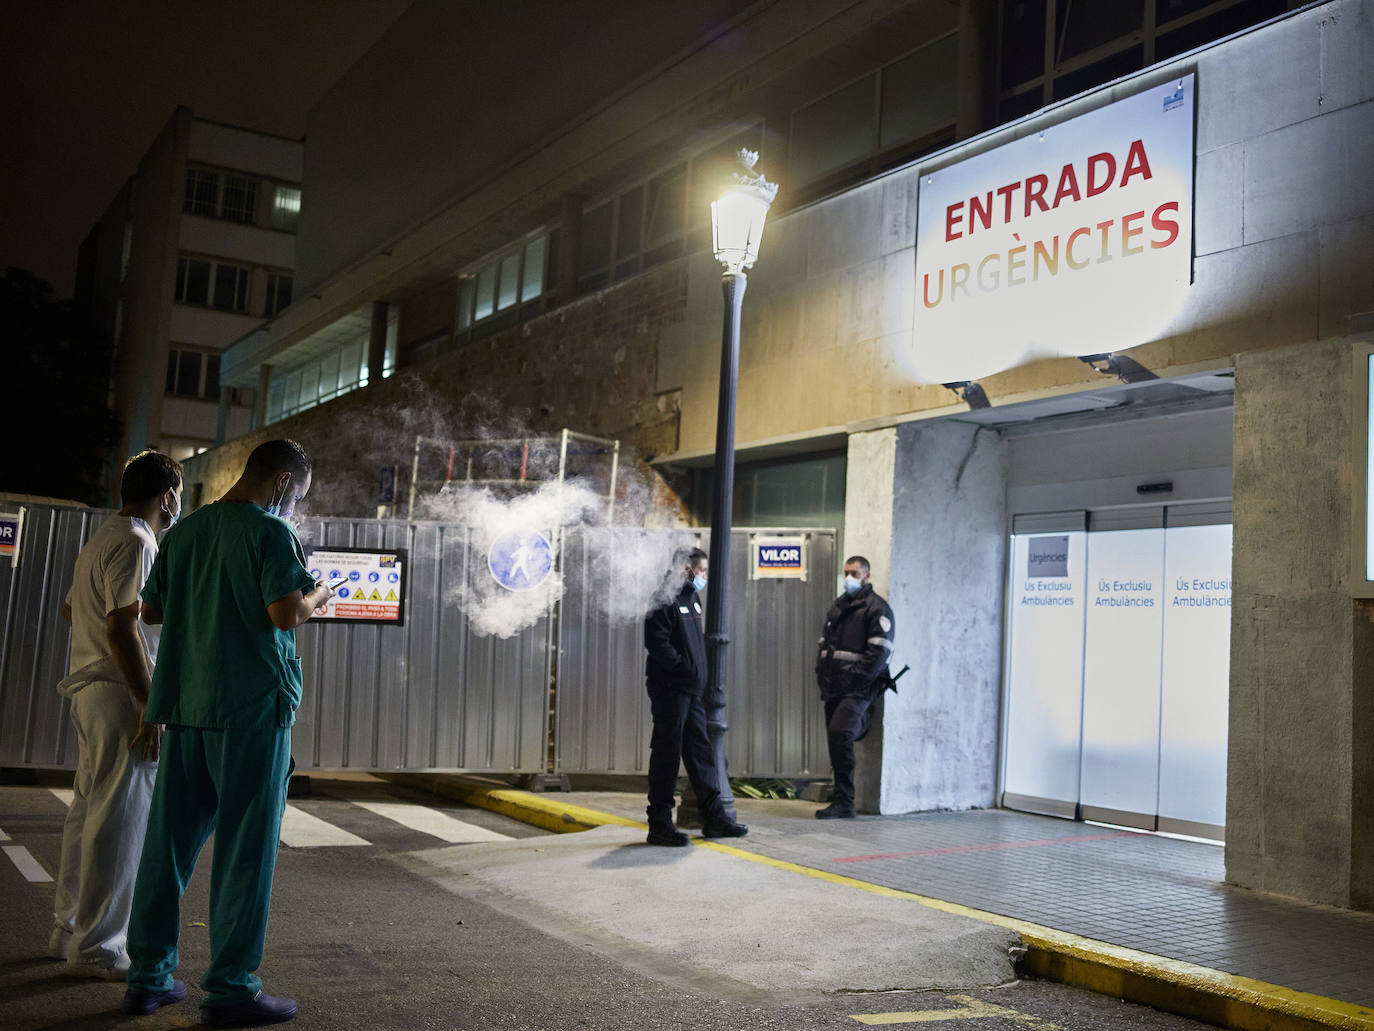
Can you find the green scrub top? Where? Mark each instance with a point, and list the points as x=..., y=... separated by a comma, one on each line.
x=222, y=663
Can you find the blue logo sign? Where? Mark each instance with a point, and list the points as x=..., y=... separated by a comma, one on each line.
x=780, y=556
x=520, y=560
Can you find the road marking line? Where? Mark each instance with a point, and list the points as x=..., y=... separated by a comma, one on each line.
x=4, y=836
x=990, y=847
x=64, y=795
x=432, y=822
x=28, y=866
x=300, y=829
x=972, y=1009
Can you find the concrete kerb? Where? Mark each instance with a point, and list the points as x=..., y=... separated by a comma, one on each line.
x=1200, y=993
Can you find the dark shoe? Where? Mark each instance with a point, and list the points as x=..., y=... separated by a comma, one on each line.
x=260, y=1009
x=723, y=829
x=666, y=834
x=835, y=811
x=140, y=1002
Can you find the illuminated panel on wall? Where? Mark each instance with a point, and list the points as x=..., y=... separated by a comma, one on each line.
x=1070, y=241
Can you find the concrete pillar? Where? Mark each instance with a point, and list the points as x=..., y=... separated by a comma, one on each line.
x=977, y=67
x=569, y=230
x=226, y=399
x=260, y=398
x=869, y=471
x=948, y=577
x=1300, y=774
x=376, y=341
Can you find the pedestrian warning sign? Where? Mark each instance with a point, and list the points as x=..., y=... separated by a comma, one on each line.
x=357, y=601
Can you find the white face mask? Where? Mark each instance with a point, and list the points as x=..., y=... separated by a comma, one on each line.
x=173, y=515
x=852, y=584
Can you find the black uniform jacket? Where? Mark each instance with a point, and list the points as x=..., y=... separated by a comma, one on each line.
x=855, y=645
x=676, y=644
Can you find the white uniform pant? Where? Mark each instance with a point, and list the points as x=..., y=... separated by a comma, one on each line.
x=103, y=836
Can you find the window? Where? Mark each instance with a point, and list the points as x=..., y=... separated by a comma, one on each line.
x=192, y=373
x=278, y=292
x=240, y=195
x=833, y=131
x=1093, y=42
x=286, y=208
x=920, y=93
x=320, y=379
x=231, y=288
x=212, y=284
x=202, y=192
x=499, y=285
x=193, y=281
x=216, y=194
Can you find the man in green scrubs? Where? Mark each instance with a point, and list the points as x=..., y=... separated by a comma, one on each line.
x=229, y=587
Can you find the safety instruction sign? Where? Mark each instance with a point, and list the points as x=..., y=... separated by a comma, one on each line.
x=11, y=525
x=520, y=560
x=777, y=558
x=374, y=588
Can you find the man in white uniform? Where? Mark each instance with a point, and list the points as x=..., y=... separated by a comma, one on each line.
x=110, y=672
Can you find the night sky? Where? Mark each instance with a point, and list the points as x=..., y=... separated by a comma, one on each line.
x=87, y=84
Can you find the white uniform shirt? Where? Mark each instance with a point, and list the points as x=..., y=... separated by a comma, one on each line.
x=110, y=571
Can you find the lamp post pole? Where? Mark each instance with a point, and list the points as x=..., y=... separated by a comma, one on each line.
x=737, y=220
x=722, y=511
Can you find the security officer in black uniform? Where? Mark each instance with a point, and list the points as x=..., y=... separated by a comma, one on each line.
x=675, y=674
x=851, y=668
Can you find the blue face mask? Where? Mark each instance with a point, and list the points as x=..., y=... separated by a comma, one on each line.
x=699, y=583
x=852, y=584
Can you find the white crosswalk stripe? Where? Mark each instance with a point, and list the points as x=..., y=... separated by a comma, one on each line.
x=28, y=866
x=300, y=829
x=433, y=822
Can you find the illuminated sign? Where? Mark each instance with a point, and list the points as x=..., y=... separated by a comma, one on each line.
x=779, y=557
x=374, y=590
x=1074, y=240
x=11, y=525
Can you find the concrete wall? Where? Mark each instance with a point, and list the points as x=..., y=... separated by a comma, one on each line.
x=1283, y=231
x=940, y=731
x=479, y=89
x=1299, y=811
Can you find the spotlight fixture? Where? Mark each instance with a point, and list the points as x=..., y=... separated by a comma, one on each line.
x=970, y=392
x=1128, y=370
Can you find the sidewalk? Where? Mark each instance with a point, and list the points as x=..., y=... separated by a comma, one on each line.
x=1135, y=915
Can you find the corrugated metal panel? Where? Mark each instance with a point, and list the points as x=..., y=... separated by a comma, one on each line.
x=429, y=695
x=34, y=726
x=774, y=710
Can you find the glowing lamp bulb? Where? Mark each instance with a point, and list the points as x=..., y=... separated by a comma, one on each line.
x=737, y=217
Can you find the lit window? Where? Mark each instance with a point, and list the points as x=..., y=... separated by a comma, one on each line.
x=286, y=207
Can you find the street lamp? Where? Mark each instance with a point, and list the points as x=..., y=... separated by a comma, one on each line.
x=736, y=227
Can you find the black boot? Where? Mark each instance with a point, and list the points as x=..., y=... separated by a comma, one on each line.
x=840, y=809
x=666, y=834
x=722, y=826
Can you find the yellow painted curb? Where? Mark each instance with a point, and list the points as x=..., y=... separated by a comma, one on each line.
x=1166, y=984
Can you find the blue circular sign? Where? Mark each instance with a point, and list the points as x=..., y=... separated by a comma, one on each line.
x=520, y=560
x=374, y=576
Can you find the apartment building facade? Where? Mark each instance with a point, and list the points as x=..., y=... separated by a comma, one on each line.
x=196, y=250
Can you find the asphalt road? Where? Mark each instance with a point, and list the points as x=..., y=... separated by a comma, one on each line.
x=363, y=938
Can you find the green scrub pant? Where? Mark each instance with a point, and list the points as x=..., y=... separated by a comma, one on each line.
x=231, y=783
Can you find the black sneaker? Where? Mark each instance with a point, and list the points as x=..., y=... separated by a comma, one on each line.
x=260, y=1009
x=139, y=1002
x=836, y=811
x=666, y=834
x=723, y=829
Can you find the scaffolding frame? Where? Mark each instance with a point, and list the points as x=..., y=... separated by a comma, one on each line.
x=466, y=451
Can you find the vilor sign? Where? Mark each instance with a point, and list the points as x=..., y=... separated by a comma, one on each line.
x=1074, y=240
x=779, y=557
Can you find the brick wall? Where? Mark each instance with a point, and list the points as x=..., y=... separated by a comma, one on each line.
x=590, y=366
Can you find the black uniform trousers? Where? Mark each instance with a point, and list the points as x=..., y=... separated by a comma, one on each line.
x=680, y=738
x=846, y=721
